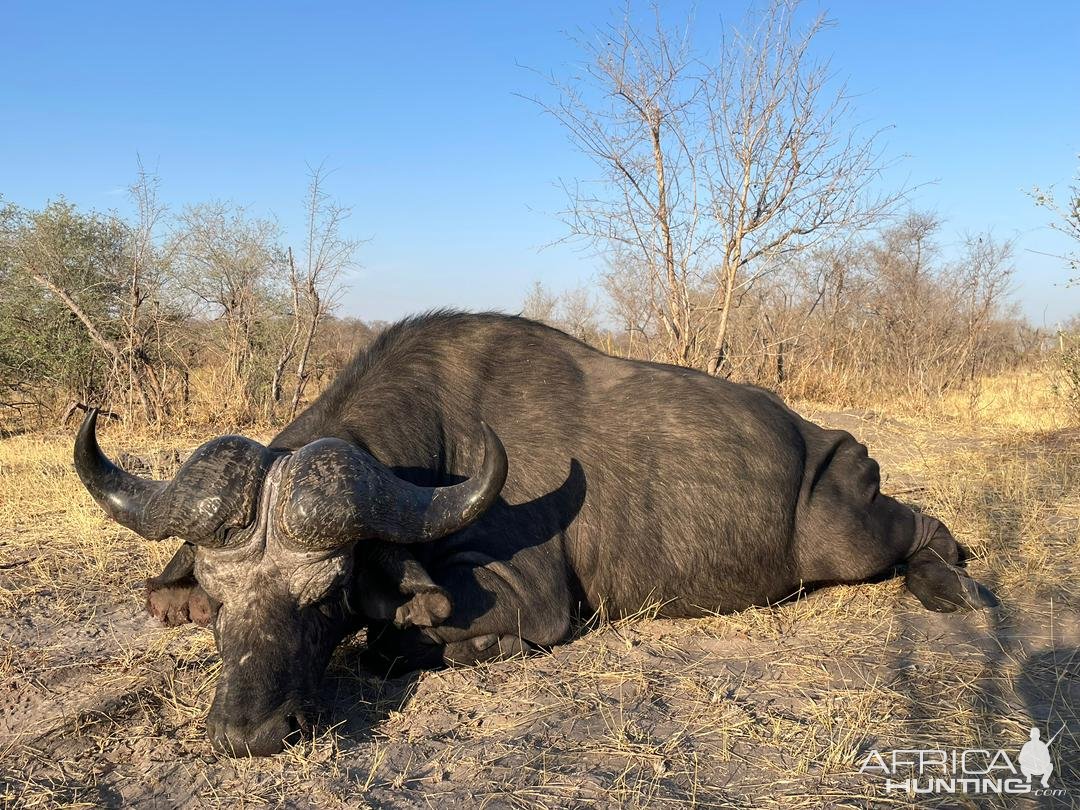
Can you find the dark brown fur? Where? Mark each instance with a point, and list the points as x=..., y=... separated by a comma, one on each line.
x=630, y=483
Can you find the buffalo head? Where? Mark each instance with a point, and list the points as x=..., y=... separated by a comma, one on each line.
x=274, y=532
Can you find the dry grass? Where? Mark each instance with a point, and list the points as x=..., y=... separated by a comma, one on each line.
x=1027, y=400
x=766, y=708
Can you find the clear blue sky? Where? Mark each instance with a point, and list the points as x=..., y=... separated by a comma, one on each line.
x=449, y=172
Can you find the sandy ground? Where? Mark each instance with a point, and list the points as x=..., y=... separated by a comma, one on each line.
x=99, y=706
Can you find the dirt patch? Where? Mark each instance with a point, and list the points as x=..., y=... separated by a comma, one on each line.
x=767, y=708
x=772, y=708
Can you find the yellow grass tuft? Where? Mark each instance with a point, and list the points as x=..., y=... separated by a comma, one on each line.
x=764, y=708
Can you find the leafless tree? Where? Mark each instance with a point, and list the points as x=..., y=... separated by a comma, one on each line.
x=631, y=296
x=712, y=170
x=632, y=114
x=231, y=266
x=575, y=311
x=787, y=169
x=315, y=290
x=539, y=304
x=982, y=276
x=292, y=338
x=579, y=314
x=148, y=316
x=1067, y=222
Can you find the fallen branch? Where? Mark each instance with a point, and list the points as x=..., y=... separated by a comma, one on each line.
x=9, y=565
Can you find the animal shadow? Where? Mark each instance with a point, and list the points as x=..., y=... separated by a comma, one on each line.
x=356, y=697
x=1049, y=684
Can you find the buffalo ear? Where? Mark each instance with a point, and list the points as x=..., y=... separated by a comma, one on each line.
x=179, y=569
x=180, y=603
x=174, y=596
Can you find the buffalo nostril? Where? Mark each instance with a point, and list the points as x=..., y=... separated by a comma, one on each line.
x=244, y=741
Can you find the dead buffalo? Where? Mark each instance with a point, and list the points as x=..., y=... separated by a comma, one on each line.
x=470, y=483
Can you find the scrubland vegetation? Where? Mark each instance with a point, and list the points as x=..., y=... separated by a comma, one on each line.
x=738, y=221
x=215, y=321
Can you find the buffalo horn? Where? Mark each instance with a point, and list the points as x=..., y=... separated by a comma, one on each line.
x=339, y=493
x=126, y=498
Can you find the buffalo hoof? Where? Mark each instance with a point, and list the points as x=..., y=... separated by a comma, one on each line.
x=486, y=648
x=947, y=588
x=174, y=605
x=426, y=609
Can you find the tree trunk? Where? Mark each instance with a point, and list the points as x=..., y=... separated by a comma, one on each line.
x=108, y=346
x=289, y=350
x=719, y=352
x=678, y=316
x=301, y=367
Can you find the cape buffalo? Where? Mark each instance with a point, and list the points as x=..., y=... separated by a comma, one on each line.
x=470, y=483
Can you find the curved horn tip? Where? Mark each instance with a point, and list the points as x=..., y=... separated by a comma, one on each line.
x=86, y=440
x=493, y=445
x=492, y=474
x=400, y=512
x=120, y=494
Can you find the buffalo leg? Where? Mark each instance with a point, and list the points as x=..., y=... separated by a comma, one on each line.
x=394, y=587
x=401, y=575
x=849, y=532
x=174, y=597
x=499, y=610
x=856, y=541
